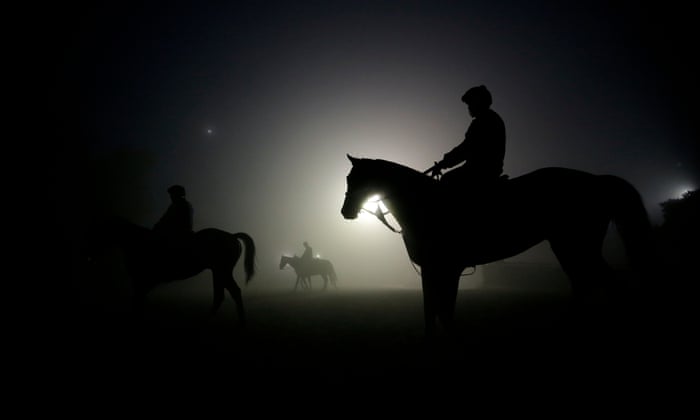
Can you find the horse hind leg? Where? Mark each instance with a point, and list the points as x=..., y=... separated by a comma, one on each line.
x=595, y=289
x=588, y=272
x=430, y=303
x=446, y=289
x=218, y=293
x=225, y=280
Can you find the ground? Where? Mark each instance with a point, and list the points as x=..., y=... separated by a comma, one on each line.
x=510, y=340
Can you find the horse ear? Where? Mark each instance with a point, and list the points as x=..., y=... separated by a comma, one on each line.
x=353, y=160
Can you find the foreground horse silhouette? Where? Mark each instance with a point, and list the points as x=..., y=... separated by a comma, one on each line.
x=568, y=208
x=149, y=262
x=304, y=271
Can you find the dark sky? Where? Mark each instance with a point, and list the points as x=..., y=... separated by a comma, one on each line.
x=252, y=106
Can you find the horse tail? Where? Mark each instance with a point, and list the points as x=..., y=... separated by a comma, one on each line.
x=249, y=260
x=631, y=219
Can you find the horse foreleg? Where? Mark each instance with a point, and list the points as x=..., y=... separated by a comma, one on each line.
x=440, y=288
x=448, y=285
x=429, y=302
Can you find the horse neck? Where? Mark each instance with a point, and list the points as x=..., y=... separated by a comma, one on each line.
x=407, y=195
x=291, y=261
x=128, y=234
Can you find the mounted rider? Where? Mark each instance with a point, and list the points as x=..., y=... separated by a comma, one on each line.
x=175, y=227
x=482, y=150
x=307, y=256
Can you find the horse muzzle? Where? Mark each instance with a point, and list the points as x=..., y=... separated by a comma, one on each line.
x=349, y=213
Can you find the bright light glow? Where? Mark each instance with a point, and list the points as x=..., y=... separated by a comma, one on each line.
x=681, y=191
x=371, y=205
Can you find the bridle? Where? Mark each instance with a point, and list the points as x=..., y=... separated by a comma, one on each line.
x=378, y=213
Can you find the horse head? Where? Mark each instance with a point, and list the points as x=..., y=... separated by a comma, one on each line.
x=359, y=188
x=286, y=260
x=390, y=181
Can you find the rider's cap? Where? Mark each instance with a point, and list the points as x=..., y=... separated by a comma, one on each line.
x=177, y=190
x=478, y=95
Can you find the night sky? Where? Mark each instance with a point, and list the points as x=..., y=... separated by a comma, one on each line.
x=253, y=106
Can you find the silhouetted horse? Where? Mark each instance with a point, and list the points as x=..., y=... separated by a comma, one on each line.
x=316, y=266
x=304, y=282
x=150, y=262
x=444, y=233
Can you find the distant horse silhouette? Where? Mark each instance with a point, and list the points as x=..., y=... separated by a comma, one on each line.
x=149, y=262
x=304, y=282
x=304, y=271
x=444, y=234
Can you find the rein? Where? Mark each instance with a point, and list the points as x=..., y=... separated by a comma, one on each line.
x=379, y=214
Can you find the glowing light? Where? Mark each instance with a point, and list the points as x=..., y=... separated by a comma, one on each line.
x=369, y=207
x=373, y=203
x=681, y=191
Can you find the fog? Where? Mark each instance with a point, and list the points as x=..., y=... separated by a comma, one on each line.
x=253, y=110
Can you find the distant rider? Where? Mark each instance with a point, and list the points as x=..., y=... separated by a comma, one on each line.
x=175, y=227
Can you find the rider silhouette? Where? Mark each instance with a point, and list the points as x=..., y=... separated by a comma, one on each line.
x=308, y=253
x=307, y=256
x=483, y=147
x=175, y=226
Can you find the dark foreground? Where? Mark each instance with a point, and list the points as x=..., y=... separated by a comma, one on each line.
x=311, y=342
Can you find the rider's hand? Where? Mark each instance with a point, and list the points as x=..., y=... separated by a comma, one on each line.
x=436, y=170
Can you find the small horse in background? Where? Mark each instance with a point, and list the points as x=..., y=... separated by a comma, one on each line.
x=149, y=262
x=315, y=267
x=303, y=282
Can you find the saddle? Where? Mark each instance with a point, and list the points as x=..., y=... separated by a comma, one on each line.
x=457, y=186
x=480, y=201
x=174, y=250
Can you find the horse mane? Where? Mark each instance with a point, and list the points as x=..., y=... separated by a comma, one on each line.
x=394, y=165
x=399, y=170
